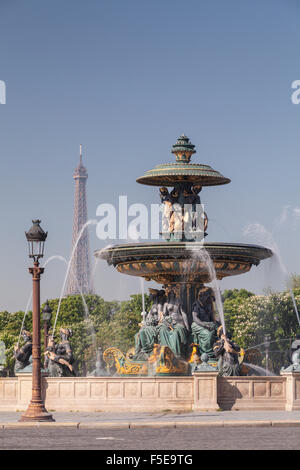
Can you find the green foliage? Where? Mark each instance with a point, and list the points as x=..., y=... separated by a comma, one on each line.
x=120, y=331
x=232, y=298
x=247, y=316
x=94, y=322
x=252, y=318
x=294, y=281
x=72, y=309
x=85, y=317
x=231, y=294
x=10, y=326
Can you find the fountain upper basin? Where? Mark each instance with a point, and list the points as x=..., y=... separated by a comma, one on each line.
x=166, y=262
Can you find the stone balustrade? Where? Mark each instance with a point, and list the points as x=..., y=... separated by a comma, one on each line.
x=202, y=391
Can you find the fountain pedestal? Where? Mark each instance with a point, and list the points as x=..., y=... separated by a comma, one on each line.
x=292, y=390
x=205, y=391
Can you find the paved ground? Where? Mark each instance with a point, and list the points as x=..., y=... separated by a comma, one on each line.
x=114, y=440
x=225, y=430
x=194, y=417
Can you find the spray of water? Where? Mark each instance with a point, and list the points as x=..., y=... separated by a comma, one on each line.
x=94, y=269
x=86, y=310
x=51, y=258
x=89, y=222
x=25, y=314
x=260, y=370
x=264, y=236
x=61, y=258
x=87, y=317
x=269, y=342
x=142, y=281
x=97, y=259
x=203, y=256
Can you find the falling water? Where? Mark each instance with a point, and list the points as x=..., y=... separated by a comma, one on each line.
x=295, y=306
x=94, y=269
x=283, y=354
x=25, y=314
x=97, y=259
x=89, y=222
x=203, y=255
x=87, y=316
x=51, y=258
x=261, y=370
x=268, y=342
x=86, y=310
x=264, y=236
x=142, y=281
x=61, y=258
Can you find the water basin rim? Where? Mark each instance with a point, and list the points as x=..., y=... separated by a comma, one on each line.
x=193, y=246
x=182, y=250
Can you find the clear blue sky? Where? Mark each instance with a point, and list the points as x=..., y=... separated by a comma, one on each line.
x=125, y=78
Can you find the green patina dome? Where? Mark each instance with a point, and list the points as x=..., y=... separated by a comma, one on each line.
x=182, y=170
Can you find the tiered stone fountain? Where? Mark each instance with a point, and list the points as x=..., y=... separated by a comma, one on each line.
x=181, y=263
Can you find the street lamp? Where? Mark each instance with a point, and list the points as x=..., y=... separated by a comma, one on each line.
x=47, y=314
x=36, y=410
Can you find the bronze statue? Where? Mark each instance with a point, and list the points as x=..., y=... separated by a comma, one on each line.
x=204, y=326
x=196, y=189
x=164, y=195
x=147, y=336
x=174, y=329
x=23, y=355
x=204, y=366
x=158, y=297
x=166, y=200
x=294, y=356
x=172, y=217
x=59, y=357
x=187, y=214
x=181, y=212
x=227, y=351
x=295, y=346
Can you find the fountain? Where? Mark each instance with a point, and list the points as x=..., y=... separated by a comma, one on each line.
x=177, y=363
x=183, y=263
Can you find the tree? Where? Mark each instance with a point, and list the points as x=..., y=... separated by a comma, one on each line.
x=294, y=281
x=232, y=298
x=10, y=327
x=84, y=315
x=120, y=331
x=253, y=318
x=93, y=321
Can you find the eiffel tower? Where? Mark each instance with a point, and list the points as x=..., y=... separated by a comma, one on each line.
x=79, y=280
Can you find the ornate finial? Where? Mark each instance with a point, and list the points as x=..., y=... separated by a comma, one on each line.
x=183, y=149
x=80, y=153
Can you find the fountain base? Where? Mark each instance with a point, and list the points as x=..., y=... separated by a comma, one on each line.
x=201, y=391
x=162, y=362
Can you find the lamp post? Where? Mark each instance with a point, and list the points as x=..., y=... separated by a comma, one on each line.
x=36, y=410
x=47, y=314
